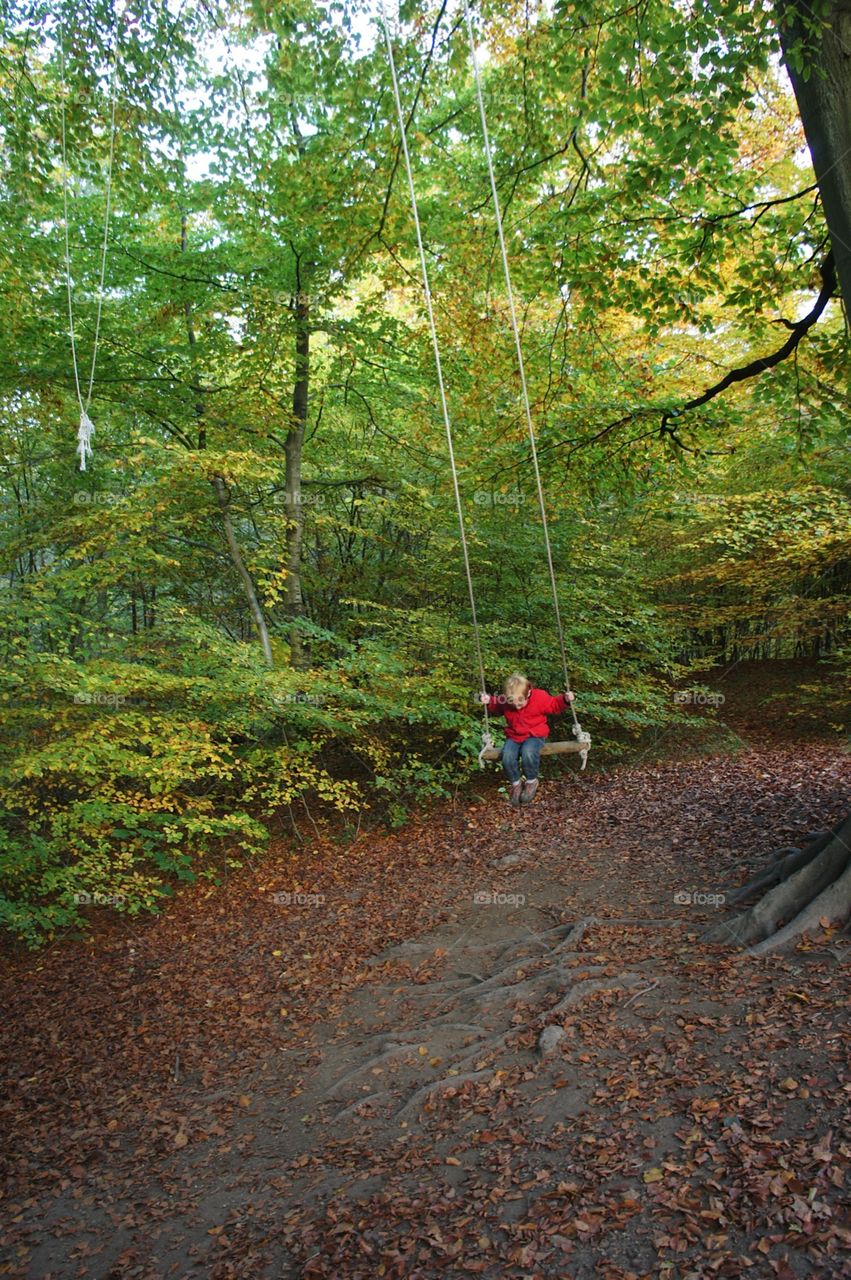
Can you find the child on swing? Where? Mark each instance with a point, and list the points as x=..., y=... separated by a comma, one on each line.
x=525, y=709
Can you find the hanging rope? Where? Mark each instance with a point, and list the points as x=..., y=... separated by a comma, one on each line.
x=487, y=740
x=577, y=728
x=86, y=429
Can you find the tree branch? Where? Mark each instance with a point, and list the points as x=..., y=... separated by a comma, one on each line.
x=412, y=112
x=756, y=367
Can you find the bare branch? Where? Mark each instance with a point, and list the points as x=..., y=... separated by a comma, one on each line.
x=763, y=363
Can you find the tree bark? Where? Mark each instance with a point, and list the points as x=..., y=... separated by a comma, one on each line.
x=223, y=496
x=816, y=43
x=805, y=891
x=293, y=447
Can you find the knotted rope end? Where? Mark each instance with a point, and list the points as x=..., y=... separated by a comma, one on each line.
x=585, y=740
x=84, y=438
x=487, y=745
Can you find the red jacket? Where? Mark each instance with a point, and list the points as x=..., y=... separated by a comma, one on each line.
x=531, y=721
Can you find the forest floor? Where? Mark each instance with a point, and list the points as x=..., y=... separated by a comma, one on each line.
x=352, y=1083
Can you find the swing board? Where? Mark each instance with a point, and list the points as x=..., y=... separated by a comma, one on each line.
x=548, y=749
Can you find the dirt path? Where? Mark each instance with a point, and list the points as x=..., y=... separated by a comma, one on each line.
x=489, y=1045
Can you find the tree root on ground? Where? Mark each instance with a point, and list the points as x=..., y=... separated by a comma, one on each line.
x=415, y=1104
x=469, y=1050
x=803, y=891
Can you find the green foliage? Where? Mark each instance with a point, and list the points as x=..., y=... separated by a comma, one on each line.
x=660, y=225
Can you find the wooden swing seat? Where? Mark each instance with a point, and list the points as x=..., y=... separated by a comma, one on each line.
x=548, y=749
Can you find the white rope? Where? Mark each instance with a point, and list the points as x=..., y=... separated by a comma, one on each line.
x=86, y=429
x=486, y=739
x=487, y=745
x=577, y=729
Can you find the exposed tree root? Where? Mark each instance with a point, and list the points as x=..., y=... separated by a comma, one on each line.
x=417, y=1035
x=669, y=922
x=576, y=933
x=489, y=1046
x=354, y=1108
x=472, y=1027
x=415, y=1104
x=484, y=1050
x=584, y=989
x=395, y=1051
x=638, y=994
x=832, y=904
x=801, y=891
x=785, y=862
x=497, y=979
x=540, y=985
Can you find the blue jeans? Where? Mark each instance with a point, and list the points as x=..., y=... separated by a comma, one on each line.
x=527, y=754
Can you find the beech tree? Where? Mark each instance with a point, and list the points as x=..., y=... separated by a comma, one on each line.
x=809, y=888
x=816, y=40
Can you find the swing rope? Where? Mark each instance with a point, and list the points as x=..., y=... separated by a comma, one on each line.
x=86, y=429
x=487, y=739
x=577, y=728
x=583, y=739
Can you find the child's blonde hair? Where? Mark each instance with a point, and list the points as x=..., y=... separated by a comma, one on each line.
x=516, y=687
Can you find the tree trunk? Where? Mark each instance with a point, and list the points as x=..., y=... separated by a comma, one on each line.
x=803, y=890
x=222, y=492
x=817, y=53
x=223, y=497
x=292, y=481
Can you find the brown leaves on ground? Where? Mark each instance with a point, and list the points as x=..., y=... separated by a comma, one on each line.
x=161, y=1107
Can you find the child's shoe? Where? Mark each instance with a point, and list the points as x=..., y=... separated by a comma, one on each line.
x=529, y=792
x=514, y=794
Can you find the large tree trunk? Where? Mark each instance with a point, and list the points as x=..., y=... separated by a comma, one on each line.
x=817, y=51
x=802, y=891
x=805, y=890
x=292, y=483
